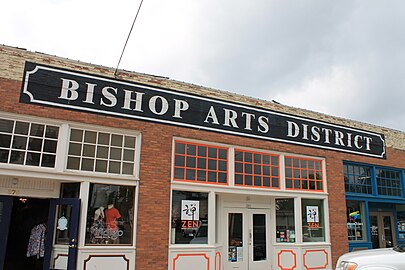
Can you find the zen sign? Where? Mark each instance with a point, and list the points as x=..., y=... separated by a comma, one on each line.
x=50, y=86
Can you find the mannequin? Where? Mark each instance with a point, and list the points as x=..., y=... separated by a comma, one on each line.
x=111, y=216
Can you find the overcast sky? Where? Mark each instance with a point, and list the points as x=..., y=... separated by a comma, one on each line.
x=343, y=58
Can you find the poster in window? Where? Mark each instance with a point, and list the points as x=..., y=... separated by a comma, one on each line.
x=190, y=210
x=312, y=214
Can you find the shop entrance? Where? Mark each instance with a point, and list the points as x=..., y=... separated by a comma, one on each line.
x=34, y=230
x=247, y=239
x=382, y=229
x=26, y=214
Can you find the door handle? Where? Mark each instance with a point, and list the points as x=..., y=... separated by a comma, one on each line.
x=72, y=243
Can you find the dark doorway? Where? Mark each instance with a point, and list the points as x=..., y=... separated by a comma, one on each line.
x=27, y=216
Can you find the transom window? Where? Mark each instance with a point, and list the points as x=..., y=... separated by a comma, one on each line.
x=200, y=163
x=101, y=152
x=27, y=143
x=303, y=173
x=389, y=182
x=357, y=178
x=256, y=169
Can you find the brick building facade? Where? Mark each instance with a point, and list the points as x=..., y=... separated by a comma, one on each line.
x=215, y=194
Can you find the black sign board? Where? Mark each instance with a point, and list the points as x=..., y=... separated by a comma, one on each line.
x=50, y=86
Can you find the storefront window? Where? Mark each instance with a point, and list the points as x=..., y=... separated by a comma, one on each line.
x=356, y=226
x=313, y=220
x=389, y=182
x=26, y=143
x=200, y=163
x=110, y=215
x=101, y=152
x=401, y=225
x=285, y=227
x=303, y=174
x=256, y=169
x=189, y=218
x=358, y=178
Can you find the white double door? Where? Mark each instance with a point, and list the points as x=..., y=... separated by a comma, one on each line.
x=247, y=239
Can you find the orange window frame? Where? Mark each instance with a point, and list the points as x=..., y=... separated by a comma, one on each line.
x=260, y=170
x=200, y=163
x=304, y=174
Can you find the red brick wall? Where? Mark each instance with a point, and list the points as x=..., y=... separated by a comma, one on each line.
x=155, y=168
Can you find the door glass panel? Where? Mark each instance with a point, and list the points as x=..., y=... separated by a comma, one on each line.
x=60, y=248
x=374, y=231
x=235, y=237
x=388, y=232
x=259, y=237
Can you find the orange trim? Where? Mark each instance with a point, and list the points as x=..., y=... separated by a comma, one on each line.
x=190, y=255
x=279, y=259
x=317, y=267
x=218, y=257
x=104, y=256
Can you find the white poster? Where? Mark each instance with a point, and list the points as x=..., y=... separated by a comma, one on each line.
x=312, y=214
x=190, y=210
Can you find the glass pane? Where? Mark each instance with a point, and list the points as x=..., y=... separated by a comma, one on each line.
x=90, y=137
x=48, y=160
x=116, y=140
x=87, y=164
x=114, y=167
x=389, y=241
x=180, y=148
x=101, y=165
x=17, y=157
x=129, y=142
x=62, y=237
x=89, y=150
x=5, y=140
x=285, y=222
x=37, y=130
x=102, y=152
x=19, y=142
x=110, y=215
x=63, y=228
x=75, y=149
x=235, y=236
x=50, y=146
x=73, y=163
x=22, y=128
x=35, y=144
x=51, y=132
x=129, y=155
x=33, y=159
x=4, y=156
x=115, y=153
x=6, y=125
x=189, y=218
x=128, y=168
x=104, y=138
x=76, y=135
x=355, y=220
x=374, y=231
x=313, y=227
x=401, y=225
x=259, y=237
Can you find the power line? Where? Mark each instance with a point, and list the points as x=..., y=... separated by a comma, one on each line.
x=129, y=34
